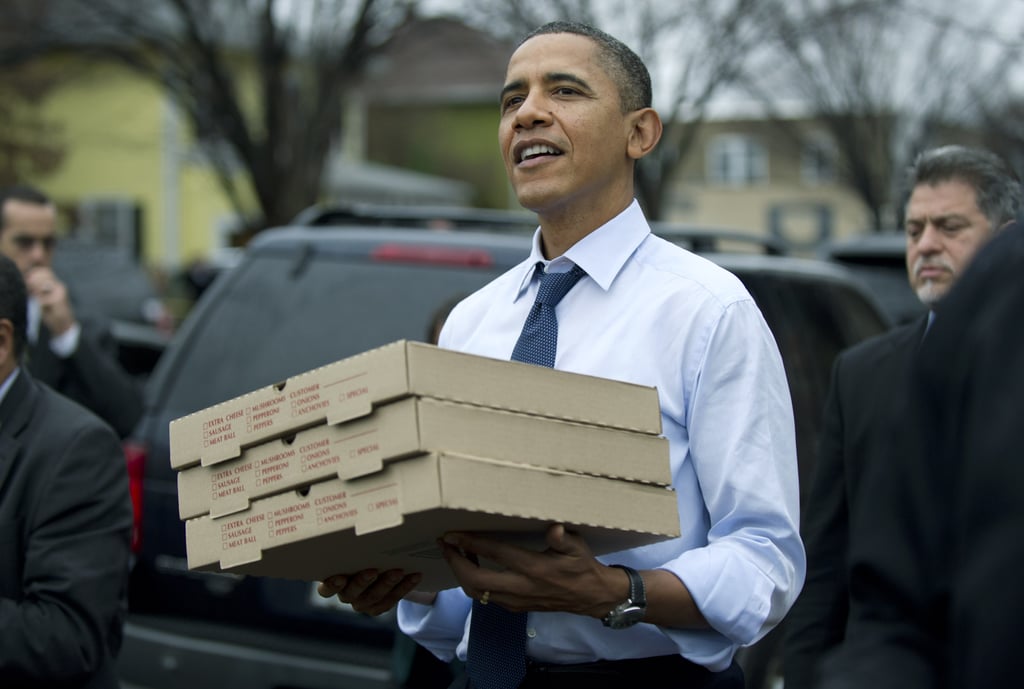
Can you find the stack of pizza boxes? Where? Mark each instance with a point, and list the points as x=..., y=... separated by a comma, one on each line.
x=366, y=462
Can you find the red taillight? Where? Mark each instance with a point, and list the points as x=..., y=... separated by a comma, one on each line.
x=135, y=456
x=432, y=254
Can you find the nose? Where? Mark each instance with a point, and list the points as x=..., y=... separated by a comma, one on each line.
x=533, y=111
x=39, y=254
x=930, y=241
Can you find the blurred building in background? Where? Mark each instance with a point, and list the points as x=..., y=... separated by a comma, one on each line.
x=420, y=128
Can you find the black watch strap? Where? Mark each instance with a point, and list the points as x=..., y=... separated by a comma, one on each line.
x=632, y=610
x=637, y=592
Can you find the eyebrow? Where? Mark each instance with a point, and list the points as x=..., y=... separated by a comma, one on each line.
x=957, y=220
x=944, y=217
x=549, y=78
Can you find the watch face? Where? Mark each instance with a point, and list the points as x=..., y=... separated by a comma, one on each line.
x=620, y=618
x=632, y=610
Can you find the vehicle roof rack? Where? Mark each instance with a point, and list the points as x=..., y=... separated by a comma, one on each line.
x=421, y=216
x=714, y=239
x=697, y=239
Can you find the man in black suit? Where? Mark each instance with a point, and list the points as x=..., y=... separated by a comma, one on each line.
x=959, y=198
x=75, y=356
x=65, y=525
x=937, y=554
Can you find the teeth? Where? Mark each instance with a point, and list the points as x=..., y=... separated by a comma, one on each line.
x=536, y=150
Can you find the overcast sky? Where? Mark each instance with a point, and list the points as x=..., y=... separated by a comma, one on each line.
x=985, y=23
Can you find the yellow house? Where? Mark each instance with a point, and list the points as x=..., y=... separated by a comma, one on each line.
x=134, y=176
x=742, y=173
x=131, y=175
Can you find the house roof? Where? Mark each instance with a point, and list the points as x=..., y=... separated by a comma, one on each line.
x=438, y=60
x=347, y=181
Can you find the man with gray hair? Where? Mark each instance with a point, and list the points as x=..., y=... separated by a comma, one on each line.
x=941, y=179
x=936, y=554
x=959, y=198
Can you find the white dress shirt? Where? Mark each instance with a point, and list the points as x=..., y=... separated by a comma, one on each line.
x=652, y=313
x=63, y=345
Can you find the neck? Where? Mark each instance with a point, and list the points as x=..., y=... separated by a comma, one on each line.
x=560, y=229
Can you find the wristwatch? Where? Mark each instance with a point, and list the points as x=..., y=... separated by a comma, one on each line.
x=632, y=610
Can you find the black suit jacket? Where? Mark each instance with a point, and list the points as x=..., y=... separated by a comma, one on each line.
x=855, y=430
x=65, y=527
x=937, y=551
x=91, y=376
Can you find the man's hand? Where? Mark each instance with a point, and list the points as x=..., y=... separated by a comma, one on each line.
x=563, y=578
x=55, y=308
x=372, y=592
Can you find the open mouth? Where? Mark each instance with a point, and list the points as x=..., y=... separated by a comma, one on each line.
x=536, y=151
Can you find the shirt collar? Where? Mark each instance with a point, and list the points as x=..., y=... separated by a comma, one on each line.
x=602, y=253
x=34, y=316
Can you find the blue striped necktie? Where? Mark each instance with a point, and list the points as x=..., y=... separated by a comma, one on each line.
x=497, y=638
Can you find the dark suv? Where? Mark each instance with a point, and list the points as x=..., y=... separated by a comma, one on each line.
x=305, y=296
x=878, y=260
x=107, y=282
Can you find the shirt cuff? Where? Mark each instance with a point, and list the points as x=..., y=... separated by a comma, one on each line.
x=735, y=596
x=414, y=618
x=65, y=344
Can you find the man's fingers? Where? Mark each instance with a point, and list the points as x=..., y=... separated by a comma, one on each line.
x=378, y=599
x=331, y=586
x=369, y=591
x=347, y=587
x=559, y=541
x=471, y=546
x=383, y=585
x=39, y=277
x=557, y=538
x=464, y=566
x=504, y=579
x=44, y=285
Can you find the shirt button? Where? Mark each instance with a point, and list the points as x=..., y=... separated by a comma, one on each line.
x=531, y=632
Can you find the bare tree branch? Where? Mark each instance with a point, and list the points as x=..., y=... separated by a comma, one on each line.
x=261, y=83
x=882, y=83
x=29, y=144
x=713, y=42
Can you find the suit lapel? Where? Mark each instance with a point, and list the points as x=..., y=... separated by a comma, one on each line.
x=907, y=338
x=15, y=412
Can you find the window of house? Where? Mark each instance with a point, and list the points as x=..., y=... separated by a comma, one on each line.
x=818, y=160
x=737, y=160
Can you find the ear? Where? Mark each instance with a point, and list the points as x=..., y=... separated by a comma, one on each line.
x=644, y=132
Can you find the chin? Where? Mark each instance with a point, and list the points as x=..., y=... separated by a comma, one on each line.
x=931, y=294
x=536, y=200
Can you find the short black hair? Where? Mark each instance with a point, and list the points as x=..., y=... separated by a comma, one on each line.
x=997, y=188
x=20, y=192
x=14, y=302
x=624, y=66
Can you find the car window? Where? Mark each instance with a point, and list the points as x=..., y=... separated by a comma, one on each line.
x=893, y=291
x=105, y=282
x=281, y=315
